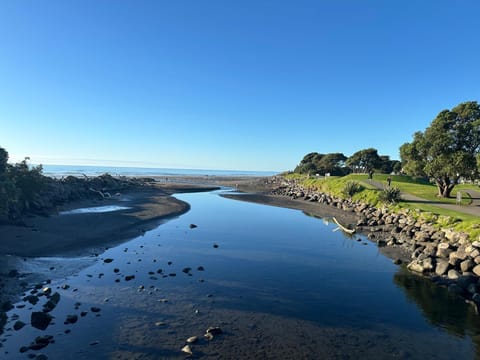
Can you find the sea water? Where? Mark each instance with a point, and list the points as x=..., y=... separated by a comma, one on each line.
x=80, y=170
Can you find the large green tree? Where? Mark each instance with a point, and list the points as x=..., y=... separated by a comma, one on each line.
x=447, y=149
x=364, y=160
x=315, y=163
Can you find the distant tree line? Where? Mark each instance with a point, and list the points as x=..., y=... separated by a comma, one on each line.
x=449, y=149
x=337, y=164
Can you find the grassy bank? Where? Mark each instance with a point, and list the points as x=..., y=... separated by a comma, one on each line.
x=420, y=188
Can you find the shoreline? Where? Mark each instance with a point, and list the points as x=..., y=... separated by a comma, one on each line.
x=86, y=233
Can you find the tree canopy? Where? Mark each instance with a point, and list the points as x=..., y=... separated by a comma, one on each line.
x=364, y=160
x=315, y=163
x=447, y=149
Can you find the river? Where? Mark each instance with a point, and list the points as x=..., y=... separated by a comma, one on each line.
x=279, y=285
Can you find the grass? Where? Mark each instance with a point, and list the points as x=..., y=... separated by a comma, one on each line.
x=414, y=186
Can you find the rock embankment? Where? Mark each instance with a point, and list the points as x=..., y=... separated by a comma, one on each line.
x=449, y=258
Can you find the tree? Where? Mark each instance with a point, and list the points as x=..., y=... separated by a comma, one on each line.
x=388, y=166
x=364, y=160
x=3, y=160
x=309, y=163
x=447, y=149
x=315, y=163
x=332, y=163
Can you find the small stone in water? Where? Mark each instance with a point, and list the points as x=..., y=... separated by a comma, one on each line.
x=160, y=323
x=187, y=350
x=192, y=339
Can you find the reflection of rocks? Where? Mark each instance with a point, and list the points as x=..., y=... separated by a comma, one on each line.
x=440, y=313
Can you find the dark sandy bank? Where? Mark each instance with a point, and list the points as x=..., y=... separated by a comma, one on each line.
x=87, y=233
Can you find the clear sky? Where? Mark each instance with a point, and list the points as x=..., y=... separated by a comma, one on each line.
x=247, y=85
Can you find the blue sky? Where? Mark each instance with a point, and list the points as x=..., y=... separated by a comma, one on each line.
x=247, y=85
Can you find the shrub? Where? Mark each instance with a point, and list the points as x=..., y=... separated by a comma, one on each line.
x=390, y=194
x=351, y=188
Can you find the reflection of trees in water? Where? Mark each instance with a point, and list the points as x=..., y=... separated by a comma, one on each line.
x=440, y=307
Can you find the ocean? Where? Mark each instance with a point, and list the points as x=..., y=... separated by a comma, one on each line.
x=80, y=170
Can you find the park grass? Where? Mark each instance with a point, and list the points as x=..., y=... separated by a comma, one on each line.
x=334, y=185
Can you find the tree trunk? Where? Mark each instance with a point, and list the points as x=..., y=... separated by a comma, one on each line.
x=444, y=186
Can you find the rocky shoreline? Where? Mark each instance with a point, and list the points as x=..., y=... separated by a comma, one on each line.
x=447, y=257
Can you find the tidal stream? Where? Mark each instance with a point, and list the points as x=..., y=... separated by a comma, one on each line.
x=279, y=285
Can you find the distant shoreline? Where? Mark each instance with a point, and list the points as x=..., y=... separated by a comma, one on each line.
x=58, y=171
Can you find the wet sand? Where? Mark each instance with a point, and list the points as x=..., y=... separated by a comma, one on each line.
x=87, y=233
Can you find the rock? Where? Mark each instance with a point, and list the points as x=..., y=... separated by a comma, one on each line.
x=6, y=306
x=200, y=268
x=415, y=266
x=192, y=339
x=160, y=323
x=18, y=325
x=442, y=267
x=107, y=261
x=186, y=270
x=40, y=319
x=71, y=319
x=466, y=265
x=187, y=350
x=47, y=290
x=215, y=246
x=443, y=245
x=381, y=242
x=129, y=277
x=32, y=299
x=95, y=309
x=453, y=274
x=214, y=330
x=427, y=264
x=41, y=342
x=476, y=244
x=476, y=270
x=192, y=226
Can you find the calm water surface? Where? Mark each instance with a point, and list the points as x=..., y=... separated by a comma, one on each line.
x=281, y=285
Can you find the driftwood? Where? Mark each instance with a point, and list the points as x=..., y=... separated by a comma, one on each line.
x=343, y=228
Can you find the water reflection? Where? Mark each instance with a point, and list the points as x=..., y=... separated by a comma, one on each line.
x=439, y=307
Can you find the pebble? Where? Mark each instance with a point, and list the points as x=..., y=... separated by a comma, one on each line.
x=187, y=350
x=192, y=339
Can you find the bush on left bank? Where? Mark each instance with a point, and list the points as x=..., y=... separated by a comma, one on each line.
x=25, y=190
